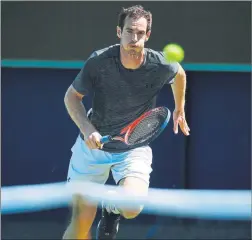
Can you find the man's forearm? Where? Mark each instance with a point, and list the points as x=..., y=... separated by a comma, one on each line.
x=179, y=89
x=78, y=113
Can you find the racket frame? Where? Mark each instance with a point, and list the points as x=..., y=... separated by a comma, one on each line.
x=129, y=128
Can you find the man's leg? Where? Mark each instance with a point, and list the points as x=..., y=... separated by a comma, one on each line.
x=136, y=187
x=83, y=215
x=133, y=175
x=83, y=167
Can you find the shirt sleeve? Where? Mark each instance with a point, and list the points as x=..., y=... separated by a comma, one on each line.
x=170, y=69
x=171, y=72
x=83, y=83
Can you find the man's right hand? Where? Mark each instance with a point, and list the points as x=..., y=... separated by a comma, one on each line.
x=93, y=141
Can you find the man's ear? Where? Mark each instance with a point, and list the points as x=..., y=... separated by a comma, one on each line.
x=118, y=32
x=147, y=36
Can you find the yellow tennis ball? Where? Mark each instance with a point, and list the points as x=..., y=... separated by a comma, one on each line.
x=173, y=52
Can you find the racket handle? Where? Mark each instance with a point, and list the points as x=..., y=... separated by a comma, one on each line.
x=105, y=139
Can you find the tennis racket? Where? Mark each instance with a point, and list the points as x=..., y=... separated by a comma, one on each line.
x=144, y=129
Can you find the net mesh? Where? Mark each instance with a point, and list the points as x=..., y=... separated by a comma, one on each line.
x=148, y=128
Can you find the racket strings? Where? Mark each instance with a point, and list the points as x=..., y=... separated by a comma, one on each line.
x=148, y=127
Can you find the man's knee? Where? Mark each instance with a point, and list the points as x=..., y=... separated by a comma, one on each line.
x=135, y=186
x=132, y=213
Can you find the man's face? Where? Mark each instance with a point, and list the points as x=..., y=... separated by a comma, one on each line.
x=134, y=35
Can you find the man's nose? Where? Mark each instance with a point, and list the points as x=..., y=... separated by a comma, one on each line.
x=134, y=37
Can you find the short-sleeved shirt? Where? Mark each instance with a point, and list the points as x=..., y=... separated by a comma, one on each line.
x=120, y=95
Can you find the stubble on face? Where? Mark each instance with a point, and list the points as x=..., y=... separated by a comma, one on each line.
x=133, y=38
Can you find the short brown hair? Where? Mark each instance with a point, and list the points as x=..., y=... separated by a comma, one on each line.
x=135, y=12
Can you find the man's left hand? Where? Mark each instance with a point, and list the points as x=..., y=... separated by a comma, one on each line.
x=179, y=120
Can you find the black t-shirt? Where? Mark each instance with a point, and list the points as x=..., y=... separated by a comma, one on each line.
x=121, y=95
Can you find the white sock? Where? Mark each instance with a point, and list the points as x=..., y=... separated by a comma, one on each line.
x=110, y=207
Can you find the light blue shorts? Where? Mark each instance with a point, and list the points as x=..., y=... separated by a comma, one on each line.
x=94, y=165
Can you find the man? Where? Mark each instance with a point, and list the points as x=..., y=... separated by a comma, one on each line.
x=124, y=80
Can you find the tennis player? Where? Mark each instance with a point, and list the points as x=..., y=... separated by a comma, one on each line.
x=124, y=80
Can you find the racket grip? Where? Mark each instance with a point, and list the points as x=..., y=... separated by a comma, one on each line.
x=105, y=139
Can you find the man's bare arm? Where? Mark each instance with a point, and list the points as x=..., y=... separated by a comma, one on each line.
x=77, y=111
x=179, y=89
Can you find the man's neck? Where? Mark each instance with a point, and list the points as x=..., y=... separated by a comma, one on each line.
x=131, y=62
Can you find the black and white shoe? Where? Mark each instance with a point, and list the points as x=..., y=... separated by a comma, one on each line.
x=108, y=226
